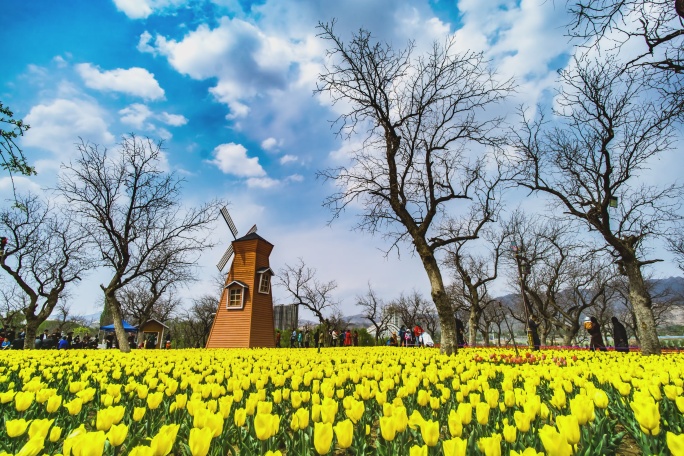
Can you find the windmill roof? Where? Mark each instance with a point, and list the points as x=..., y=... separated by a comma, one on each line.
x=237, y=282
x=250, y=237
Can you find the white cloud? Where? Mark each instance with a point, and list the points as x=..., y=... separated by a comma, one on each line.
x=288, y=159
x=133, y=81
x=136, y=115
x=175, y=120
x=269, y=143
x=57, y=125
x=140, y=9
x=295, y=178
x=144, y=43
x=262, y=182
x=232, y=159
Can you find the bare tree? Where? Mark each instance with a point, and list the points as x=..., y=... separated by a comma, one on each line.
x=12, y=303
x=132, y=211
x=413, y=309
x=45, y=254
x=474, y=272
x=375, y=310
x=608, y=132
x=649, y=33
x=192, y=327
x=12, y=158
x=420, y=115
x=675, y=244
x=306, y=290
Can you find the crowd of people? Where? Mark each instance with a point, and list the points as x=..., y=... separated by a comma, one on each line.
x=306, y=338
x=593, y=328
x=47, y=340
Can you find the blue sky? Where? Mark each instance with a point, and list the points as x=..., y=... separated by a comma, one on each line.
x=229, y=86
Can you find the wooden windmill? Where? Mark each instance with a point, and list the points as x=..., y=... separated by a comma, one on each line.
x=244, y=317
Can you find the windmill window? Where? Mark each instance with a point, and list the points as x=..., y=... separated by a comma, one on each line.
x=265, y=283
x=235, y=297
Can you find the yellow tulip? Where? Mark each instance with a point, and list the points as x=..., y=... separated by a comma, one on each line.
x=355, y=412
x=465, y=410
x=569, y=428
x=266, y=408
x=74, y=406
x=526, y=452
x=162, y=443
x=430, y=432
x=492, y=397
x=415, y=420
x=583, y=408
x=553, y=442
x=418, y=450
x=422, y=398
x=400, y=418
x=454, y=422
x=90, y=443
x=39, y=428
x=344, y=431
x=240, y=417
x=32, y=448
x=509, y=398
x=7, y=396
x=273, y=453
x=647, y=414
x=15, y=428
x=262, y=426
x=387, y=429
x=104, y=420
x=510, y=433
x=200, y=441
x=154, y=399
x=490, y=446
x=323, y=434
x=55, y=433
x=680, y=404
x=522, y=421
x=303, y=417
x=454, y=447
x=141, y=451
x=117, y=434
x=138, y=413
x=482, y=413
x=277, y=396
x=675, y=443
x=600, y=399
x=23, y=400
x=53, y=404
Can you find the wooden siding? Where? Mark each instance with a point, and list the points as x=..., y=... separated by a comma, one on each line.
x=251, y=326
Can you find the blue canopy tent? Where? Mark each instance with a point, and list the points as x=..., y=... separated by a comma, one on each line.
x=126, y=325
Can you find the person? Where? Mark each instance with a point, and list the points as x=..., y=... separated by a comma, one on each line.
x=317, y=337
x=306, y=338
x=5, y=343
x=63, y=343
x=402, y=333
x=533, y=325
x=347, y=338
x=426, y=340
x=407, y=337
x=334, y=338
x=620, y=336
x=460, y=333
x=355, y=338
x=45, y=335
x=321, y=339
x=594, y=329
x=416, y=331
x=393, y=340
x=168, y=344
x=277, y=339
x=299, y=339
x=293, y=338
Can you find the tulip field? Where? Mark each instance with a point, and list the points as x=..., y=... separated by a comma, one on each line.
x=375, y=401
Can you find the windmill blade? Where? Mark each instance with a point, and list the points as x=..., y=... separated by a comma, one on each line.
x=229, y=221
x=224, y=259
x=252, y=230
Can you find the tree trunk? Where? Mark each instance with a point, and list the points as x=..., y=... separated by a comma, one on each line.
x=641, y=305
x=30, y=331
x=447, y=320
x=485, y=336
x=473, y=320
x=115, y=310
x=568, y=335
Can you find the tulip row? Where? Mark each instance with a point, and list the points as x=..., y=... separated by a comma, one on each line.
x=383, y=401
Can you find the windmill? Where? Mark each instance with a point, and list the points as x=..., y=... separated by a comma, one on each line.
x=244, y=317
x=231, y=225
